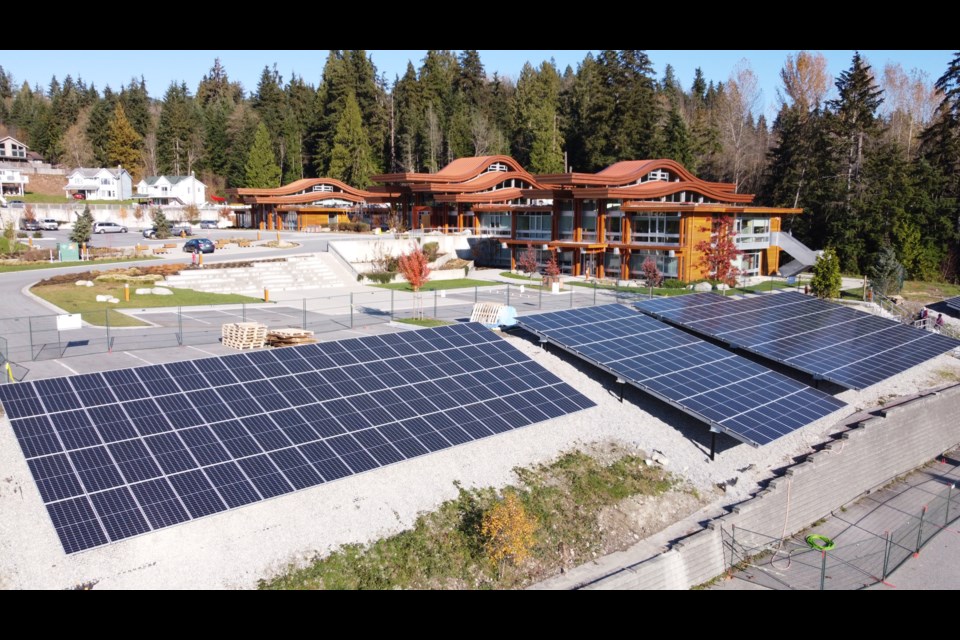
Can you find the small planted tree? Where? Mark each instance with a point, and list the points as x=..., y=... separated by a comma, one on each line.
x=651, y=274
x=413, y=267
x=509, y=532
x=83, y=227
x=161, y=223
x=552, y=268
x=887, y=274
x=138, y=213
x=528, y=261
x=826, y=275
x=720, y=252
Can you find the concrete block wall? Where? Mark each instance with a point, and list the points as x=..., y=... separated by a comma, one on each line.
x=867, y=456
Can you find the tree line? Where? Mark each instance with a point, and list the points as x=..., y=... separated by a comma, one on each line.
x=875, y=166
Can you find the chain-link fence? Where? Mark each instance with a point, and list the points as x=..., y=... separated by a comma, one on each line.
x=853, y=558
x=33, y=338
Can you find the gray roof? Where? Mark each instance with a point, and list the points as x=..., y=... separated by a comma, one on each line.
x=152, y=180
x=92, y=173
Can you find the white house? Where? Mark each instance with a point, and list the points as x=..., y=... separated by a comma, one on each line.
x=99, y=184
x=12, y=182
x=183, y=190
x=13, y=150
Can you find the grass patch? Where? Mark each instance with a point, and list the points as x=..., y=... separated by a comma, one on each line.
x=444, y=549
x=516, y=276
x=459, y=283
x=5, y=244
x=424, y=322
x=33, y=266
x=42, y=198
x=927, y=292
x=74, y=299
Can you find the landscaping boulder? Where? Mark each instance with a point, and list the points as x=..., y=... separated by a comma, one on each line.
x=703, y=287
x=102, y=298
x=160, y=291
x=143, y=292
x=84, y=283
x=722, y=287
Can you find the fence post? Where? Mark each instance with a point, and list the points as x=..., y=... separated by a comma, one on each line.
x=304, y=327
x=435, y=303
x=476, y=293
x=823, y=569
x=243, y=311
x=391, y=304
x=351, y=308
x=30, y=325
x=946, y=519
x=923, y=513
x=595, y=294
x=508, y=294
x=540, y=297
x=106, y=318
x=571, y=296
x=180, y=324
x=886, y=554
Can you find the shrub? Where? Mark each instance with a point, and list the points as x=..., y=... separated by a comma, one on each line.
x=431, y=249
x=21, y=234
x=509, y=531
x=673, y=283
x=35, y=255
x=38, y=234
x=381, y=277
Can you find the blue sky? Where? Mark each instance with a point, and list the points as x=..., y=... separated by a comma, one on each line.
x=161, y=67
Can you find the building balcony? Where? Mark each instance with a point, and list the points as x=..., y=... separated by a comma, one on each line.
x=499, y=232
x=533, y=234
x=752, y=240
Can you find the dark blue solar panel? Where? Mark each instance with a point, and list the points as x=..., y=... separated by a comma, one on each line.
x=746, y=400
x=830, y=341
x=954, y=303
x=121, y=453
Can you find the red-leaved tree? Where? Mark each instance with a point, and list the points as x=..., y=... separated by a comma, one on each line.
x=413, y=267
x=718, y=253
x=528, y=261
x=553, y=267
x=651, y=274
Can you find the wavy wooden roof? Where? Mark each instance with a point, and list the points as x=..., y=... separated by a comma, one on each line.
x=460, y=170
x=291, y=193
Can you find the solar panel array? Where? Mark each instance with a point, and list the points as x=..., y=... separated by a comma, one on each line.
x=739, y=397
x=830, y=341
x=120, y=453
x=954, y=303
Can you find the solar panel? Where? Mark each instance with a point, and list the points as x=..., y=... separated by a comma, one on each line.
x=125, y=452
x=831, y=341
x=954, y=303
x=743, y=399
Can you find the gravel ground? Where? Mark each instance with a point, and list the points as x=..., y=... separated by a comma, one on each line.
x=236, y=548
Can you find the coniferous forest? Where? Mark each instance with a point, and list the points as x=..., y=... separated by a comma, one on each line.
x=871, y=156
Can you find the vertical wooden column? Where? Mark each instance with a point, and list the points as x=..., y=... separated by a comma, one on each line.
x=601, y=220
x=577, y=229
x=625, y=264
x=513, y=225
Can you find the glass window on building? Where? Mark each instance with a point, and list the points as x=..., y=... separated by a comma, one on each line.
x=589, y=220
x=534, y=226
x=656, y=228
x=668, y=265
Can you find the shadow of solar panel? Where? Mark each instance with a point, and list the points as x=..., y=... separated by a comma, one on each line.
x=828, y=340
x=121, y=453
x=745, y=400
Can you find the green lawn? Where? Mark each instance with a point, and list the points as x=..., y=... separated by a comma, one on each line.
x=33, y=266
x=83, y=300
x=424, y=322
x=460, y=283
x=5, y=246
x=517, y=276
x=928, y=292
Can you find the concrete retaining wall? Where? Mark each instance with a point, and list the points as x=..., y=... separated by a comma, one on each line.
x=867, y=455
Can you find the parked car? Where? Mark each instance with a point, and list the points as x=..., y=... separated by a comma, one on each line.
x=108, y=227
x=29, y=225
x=175, y=232
x=208, y=224
x=198, y=245
x=49, y=224
x=16, y=204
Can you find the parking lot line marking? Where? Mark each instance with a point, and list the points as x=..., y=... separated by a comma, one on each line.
x=73, y=371
x=278, y=313
x=189, y=346
x=197, y=319
x=137, y=357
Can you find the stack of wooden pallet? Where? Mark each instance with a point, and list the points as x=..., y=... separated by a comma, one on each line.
x=243, y=335
x=289, y=337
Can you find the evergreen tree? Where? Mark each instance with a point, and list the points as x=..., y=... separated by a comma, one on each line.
x=82, y=227
x=241, y=130
x=826, y=280
x=409, y=121
x=886, y=274
x=538, y=142
x=136, y=104
x=179, y=134
x=124, y=144
x=216, y=88
x=98, y=126
x=676, y=141
x=351, y=159
x=161, y=224
x=261, y=169
x=216, y=140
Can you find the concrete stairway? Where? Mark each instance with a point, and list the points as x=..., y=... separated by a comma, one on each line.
x=803, y=256
x=295, y=273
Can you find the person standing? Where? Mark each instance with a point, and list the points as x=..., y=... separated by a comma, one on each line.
x=938, y=323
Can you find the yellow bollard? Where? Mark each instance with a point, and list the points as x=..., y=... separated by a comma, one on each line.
x=266, y=295
x=31, y=242
x=278, y=235
x=10, y=373
x=126, y=292
x=258, y=235
x=200, y=262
